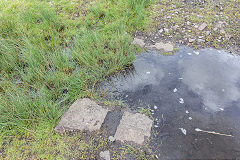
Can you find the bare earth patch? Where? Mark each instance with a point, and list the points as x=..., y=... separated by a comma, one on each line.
x=202, y=23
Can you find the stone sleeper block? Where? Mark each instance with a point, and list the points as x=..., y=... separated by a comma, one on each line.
x=83, y=114
x=134, y=127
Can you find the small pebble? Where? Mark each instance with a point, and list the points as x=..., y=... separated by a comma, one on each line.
x=111, y=138
x=190, y=118
x=155, y=107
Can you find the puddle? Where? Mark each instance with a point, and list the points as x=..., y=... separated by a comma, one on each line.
x=187, y=92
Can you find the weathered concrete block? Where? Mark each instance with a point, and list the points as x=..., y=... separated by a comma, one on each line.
x=84, y=114
x=134, y=127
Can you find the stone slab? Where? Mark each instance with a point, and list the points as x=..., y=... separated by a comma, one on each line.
x=134, y=128
x=83, y=114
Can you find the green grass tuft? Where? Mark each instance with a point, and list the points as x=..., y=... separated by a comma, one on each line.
x=53, y=52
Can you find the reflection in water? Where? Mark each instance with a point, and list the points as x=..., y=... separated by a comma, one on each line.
x=214, y=76
x=188, y=90
x=145, y=73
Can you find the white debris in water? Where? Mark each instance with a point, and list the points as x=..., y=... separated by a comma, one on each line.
x=187, y=111
x=155, y=107
x=181, y=100
x=183, y=131
x=189, y=54
x=190, y=118
x=213, y=132
x=147, y=72
x=197, y=129
x=175, y=90
x=155, y=126
x=223, y=90
x=221, y=109
x=126, y=96
x=197, y=53
x=180, y=78
x=152, y=113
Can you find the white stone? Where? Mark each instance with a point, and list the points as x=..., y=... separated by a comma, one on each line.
x=202, y=26
x=190, y=40
x=111, y=138
x=105, y=155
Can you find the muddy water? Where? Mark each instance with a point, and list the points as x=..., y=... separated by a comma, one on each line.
x=192, y=89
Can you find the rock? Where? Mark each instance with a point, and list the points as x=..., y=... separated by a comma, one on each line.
x=175, y=27
x=200, y=40
x=220, y=24
x=111, y=138
x=139, y=42
x=202, y=26
x=105, y=155
x=166, y=30
x=168, y=47
x=83, y=114
x=160, y=31
x=190, y=40
x=222, y=31
x=134, y=128
x=207, y=33
x=215, y=29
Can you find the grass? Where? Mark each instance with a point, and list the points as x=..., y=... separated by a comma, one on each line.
x=51, y=53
